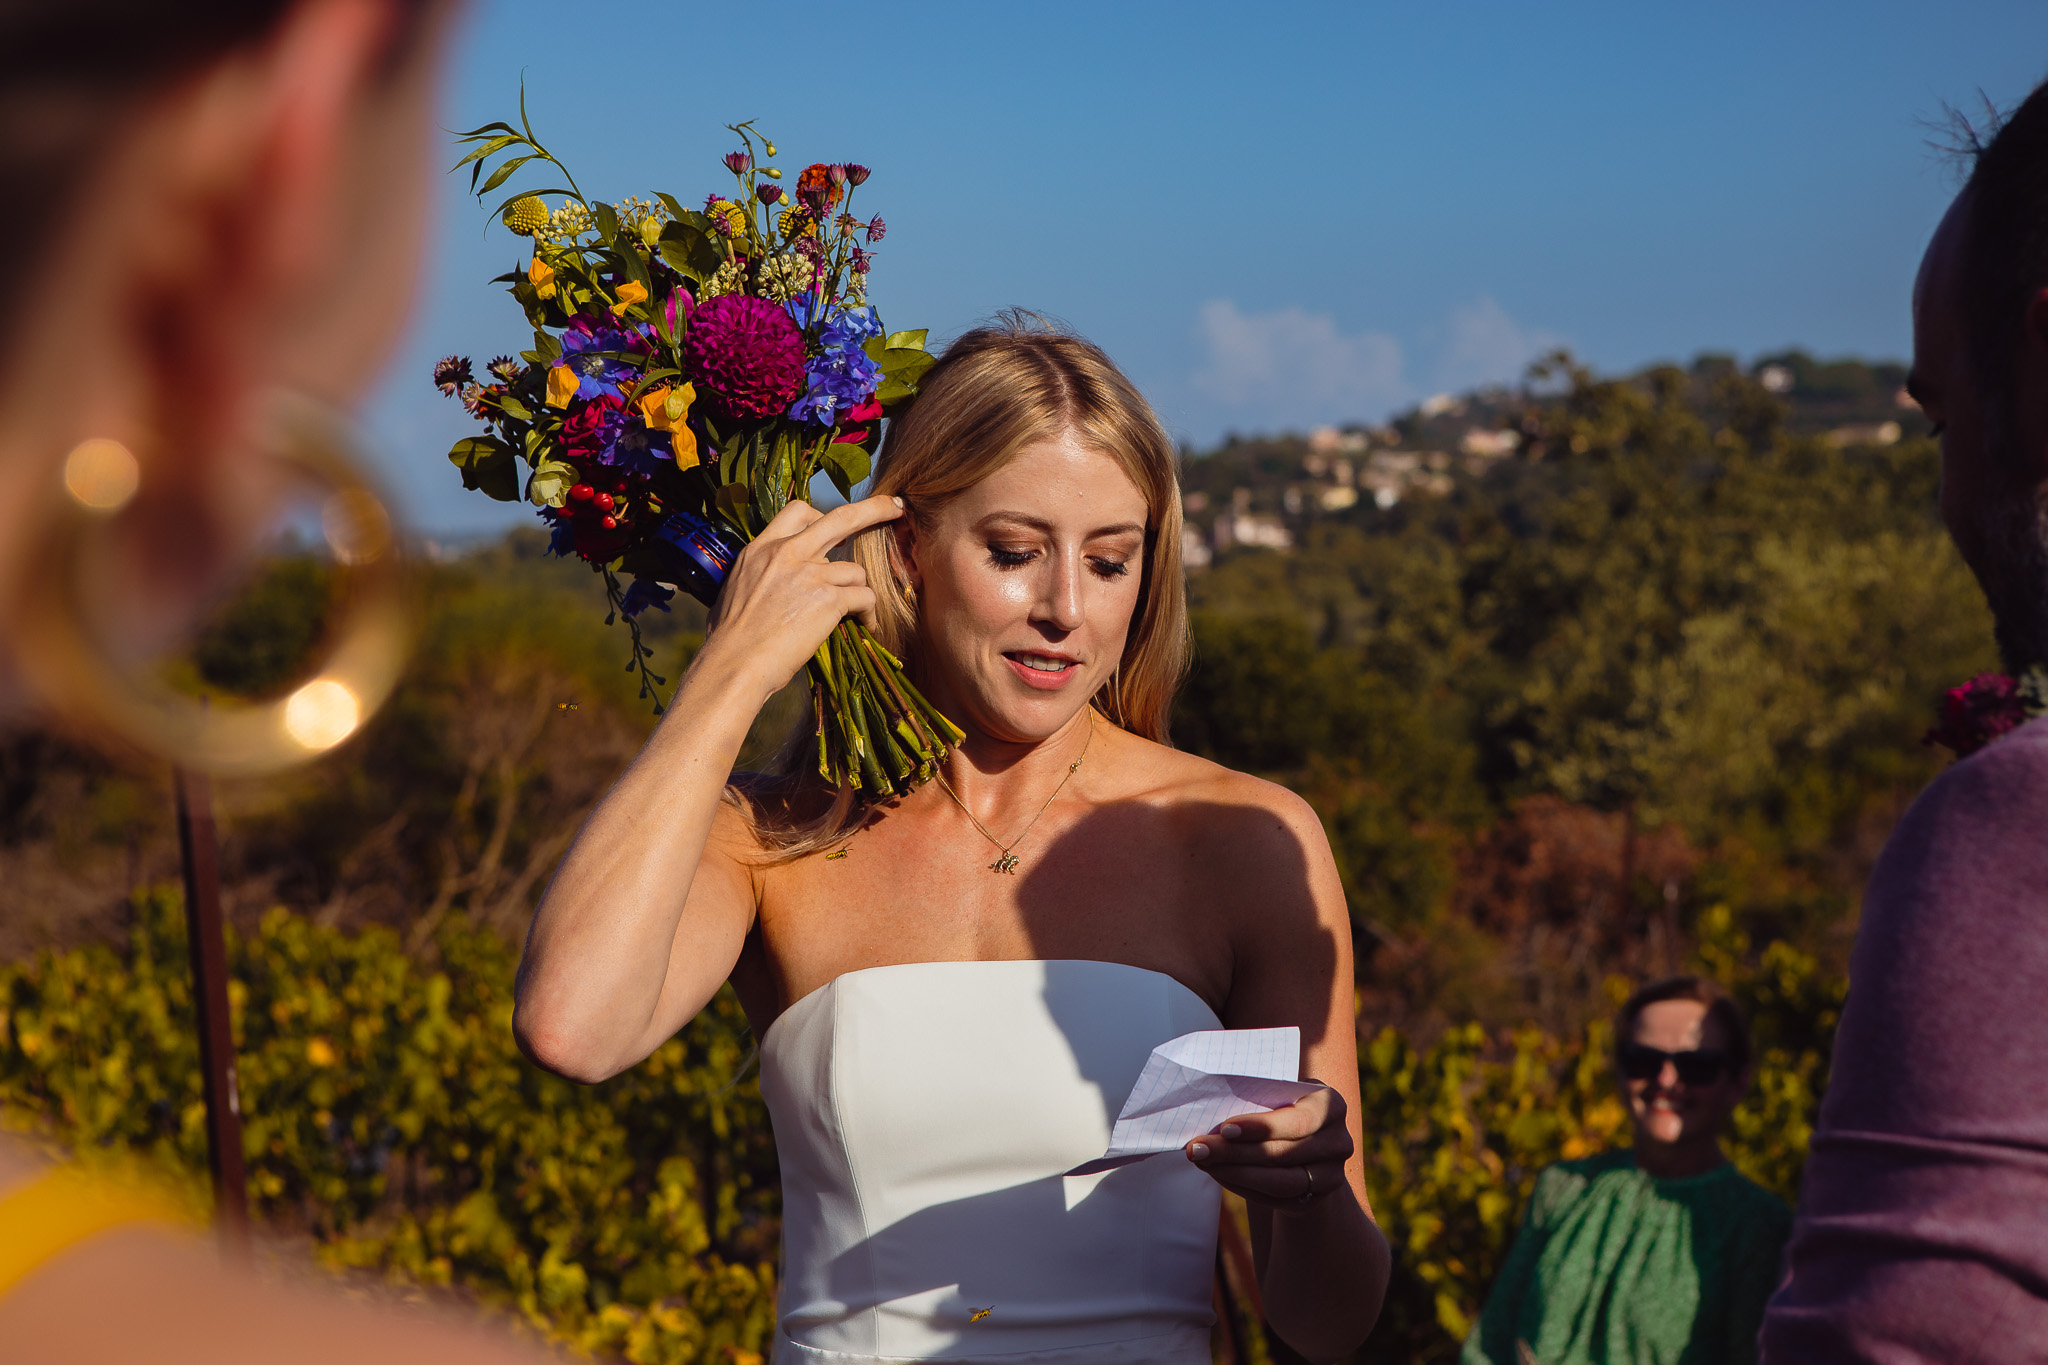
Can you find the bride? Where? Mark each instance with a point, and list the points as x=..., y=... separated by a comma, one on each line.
x=955, y=990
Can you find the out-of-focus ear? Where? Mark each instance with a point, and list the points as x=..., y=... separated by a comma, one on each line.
x=311, y=80
x=233, y=189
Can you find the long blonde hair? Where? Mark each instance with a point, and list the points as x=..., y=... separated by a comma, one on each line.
x=997, y=390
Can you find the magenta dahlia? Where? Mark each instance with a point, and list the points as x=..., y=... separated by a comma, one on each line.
x=746, y=354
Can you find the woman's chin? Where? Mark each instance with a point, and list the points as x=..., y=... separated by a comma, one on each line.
x=1663, y=1128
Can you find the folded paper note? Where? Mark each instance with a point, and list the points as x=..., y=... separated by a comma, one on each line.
x=1196, y=1081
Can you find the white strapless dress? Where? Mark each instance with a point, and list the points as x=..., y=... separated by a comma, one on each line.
x=924, y=1114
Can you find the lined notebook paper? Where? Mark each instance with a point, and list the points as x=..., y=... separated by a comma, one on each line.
x=1196, y=1081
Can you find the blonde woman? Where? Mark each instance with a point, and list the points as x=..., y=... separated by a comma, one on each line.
x=954, y=991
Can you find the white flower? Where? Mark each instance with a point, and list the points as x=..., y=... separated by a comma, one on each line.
x=784, y=277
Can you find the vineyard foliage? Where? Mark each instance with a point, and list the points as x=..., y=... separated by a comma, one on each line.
x=390, y=1117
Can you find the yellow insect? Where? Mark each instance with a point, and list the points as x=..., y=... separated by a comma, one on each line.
x=565, y=706
x=981, y=1313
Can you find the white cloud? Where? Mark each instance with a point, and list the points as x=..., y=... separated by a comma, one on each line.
x=1483, y=345
x=1293, y=368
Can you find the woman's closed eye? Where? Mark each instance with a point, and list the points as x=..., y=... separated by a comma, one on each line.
x=1010, y=557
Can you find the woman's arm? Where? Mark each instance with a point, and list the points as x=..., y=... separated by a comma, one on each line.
x=647, y=914
x=1323, y=1262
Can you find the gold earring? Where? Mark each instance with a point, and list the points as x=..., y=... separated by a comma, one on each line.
x=78, y=677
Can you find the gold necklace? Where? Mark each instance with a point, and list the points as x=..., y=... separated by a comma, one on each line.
x=1007, y=862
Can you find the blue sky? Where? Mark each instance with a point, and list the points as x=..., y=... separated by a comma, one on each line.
x=1272, y=216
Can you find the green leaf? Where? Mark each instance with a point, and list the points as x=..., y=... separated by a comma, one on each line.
x=502, y=174
x=905, y=364
x=607, y=221
x=547, y=344
x=733, y=500
x=908, y=341
x=488, y=465
x=496, y=144
x=846, y=465
x=692, y=250
x=486, y=130
x=512, y=407
x=549, y=486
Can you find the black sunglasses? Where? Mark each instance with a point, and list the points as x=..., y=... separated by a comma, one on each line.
x=1699, y=1067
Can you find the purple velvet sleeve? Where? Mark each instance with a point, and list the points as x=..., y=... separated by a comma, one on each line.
x=1922, y=1232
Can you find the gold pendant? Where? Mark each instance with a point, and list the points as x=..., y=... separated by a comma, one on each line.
x=1006, y=863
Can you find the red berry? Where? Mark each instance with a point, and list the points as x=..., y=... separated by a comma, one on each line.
x=582, y=492
x=611, y=523
x=604, y=502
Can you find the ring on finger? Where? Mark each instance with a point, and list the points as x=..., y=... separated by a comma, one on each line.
x=1309, y=1192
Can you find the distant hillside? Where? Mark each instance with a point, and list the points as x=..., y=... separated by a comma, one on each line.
x=1267, y=492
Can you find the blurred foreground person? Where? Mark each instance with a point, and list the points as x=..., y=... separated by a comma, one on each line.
x=206, y=202
x=1921, y=1234
x=1656, y=1255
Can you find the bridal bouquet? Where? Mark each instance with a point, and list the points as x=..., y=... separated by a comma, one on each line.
x=692, y=370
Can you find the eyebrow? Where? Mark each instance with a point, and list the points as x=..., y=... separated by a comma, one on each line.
x=1122, y=528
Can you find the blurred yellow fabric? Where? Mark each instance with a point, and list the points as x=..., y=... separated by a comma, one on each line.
x=53, y=1211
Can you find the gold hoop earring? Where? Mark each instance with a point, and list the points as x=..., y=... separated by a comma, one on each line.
x=79, y=679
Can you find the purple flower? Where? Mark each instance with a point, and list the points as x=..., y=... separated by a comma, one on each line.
x=591, y=347
x=505, y=369
x=451, y=373
x=746, y=353
x=1982, y=709
x=769, y=194
x=643, y=593
x=738, y=162
x=856, y=175
x=861, y=261
x=841, y=376
x=877, y=229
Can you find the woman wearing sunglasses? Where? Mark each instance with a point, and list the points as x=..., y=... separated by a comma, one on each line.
x=1660, y=1253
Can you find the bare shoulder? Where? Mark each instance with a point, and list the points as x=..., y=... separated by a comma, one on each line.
x=1237, y=828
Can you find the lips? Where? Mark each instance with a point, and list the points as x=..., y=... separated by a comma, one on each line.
x=1041, y=670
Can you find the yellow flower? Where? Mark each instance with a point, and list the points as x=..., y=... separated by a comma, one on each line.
x=562, y=383
x=686, y=448
x=796, y=223
x=320, y=1052
x=630, y=293
x=735, y=217
x=526, y=216
x=664, y=408
x=541, y=276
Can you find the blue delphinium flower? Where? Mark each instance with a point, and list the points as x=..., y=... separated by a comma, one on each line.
x=643, y=593
x=841, y=375
x=585, y=344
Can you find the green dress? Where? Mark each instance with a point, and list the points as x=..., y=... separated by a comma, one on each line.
x=1615, y=1267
